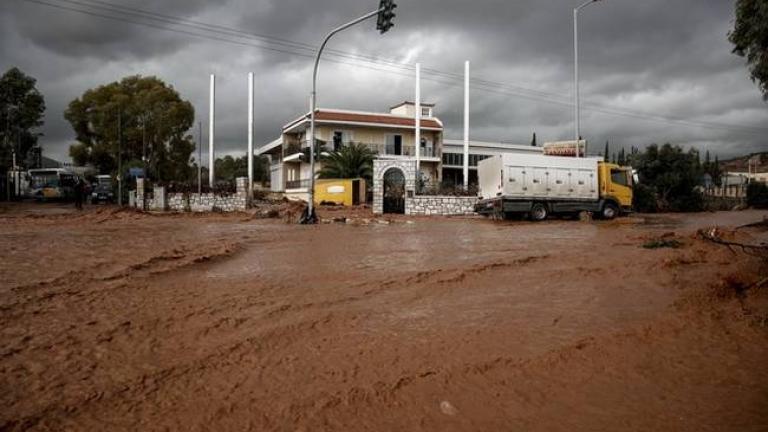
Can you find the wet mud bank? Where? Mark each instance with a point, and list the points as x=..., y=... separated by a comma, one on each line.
x=134, y=322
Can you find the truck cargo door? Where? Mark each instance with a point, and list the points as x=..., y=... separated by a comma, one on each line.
x=560, y=183
x=540, y=183
x=515, y=181
x=584, y=184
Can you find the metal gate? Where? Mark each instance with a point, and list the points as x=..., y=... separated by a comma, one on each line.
x=394, y=191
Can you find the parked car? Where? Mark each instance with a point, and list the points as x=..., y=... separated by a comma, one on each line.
x=102, y=190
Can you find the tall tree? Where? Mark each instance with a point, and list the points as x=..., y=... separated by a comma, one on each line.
x=716, y=172
x=533, y=140
x=673, y=175
x=350, y=161
x=605, y=153
x=229, y=168
x=21, y=112
x=750, y=39
x=707, y=161
x=154, y=119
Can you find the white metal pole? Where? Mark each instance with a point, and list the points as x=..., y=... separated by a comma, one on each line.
x=466, y=124
x=199, y=158
x=417, y=117
x=250, y=136
x=577, y=133
x=211, y=131
x=311, y=139
x=576, y=75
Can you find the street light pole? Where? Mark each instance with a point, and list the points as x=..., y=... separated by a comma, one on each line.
x=311, y=217
x=10, y=145
x=144, y=143
x=199, y=158
x=119, y=157
x=577, y=135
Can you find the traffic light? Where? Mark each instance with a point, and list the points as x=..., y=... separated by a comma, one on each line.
x=386, y=8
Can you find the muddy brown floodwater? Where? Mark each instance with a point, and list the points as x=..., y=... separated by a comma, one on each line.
x=113, y=320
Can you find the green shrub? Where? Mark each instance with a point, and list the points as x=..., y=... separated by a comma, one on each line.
x=692, y=202
x=644, y=199
x=662, y=243
x=757, y=195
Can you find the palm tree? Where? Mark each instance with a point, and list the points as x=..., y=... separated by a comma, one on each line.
x=350, y=161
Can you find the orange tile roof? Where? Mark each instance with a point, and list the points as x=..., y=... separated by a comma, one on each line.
x=352, y=117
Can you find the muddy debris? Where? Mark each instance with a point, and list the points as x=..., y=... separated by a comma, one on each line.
x=228, y=323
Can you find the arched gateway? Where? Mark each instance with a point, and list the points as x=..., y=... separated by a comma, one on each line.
x=394, y=181
x=394, y=191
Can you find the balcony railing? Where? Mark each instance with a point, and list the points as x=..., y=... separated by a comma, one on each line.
x=429, y=152
x=297, y=184
x=378, y=149
x=394, y=150
x=293, y=148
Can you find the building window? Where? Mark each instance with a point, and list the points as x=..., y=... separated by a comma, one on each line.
x=425, y=112
x=338, y=139
x=394, y=145
x=474, y=159
x=456, y=159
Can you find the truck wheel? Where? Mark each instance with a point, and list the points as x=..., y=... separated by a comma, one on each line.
x=538, y=212
x=610, y=211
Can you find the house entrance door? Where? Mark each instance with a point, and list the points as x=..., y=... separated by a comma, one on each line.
x=394, y=191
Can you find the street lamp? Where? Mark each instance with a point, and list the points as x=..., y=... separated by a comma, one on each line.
x=385, y=15
x=14, y=148
x=576, y=10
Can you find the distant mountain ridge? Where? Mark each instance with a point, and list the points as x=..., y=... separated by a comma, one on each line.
x=740, y=164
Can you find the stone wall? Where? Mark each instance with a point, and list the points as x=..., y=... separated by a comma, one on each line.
x=440, y=205
x=179, y=202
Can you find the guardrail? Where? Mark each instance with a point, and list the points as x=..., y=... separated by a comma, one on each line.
x=297, y=184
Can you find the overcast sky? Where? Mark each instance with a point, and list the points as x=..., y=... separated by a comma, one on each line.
x=666, y=59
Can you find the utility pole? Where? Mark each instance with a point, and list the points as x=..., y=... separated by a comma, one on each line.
x=211, y=132
x=15, y=151
x=577, y=134
x=465, y=170
x=383, y=25
x=13, y=148
x=199, y=157
x=250, y=137
x=144, y=143
x=417, y=123
x=119, y=157
x=5, y=138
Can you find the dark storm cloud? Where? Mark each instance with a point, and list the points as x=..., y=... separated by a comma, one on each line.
x=98, y=32
x=663, y=58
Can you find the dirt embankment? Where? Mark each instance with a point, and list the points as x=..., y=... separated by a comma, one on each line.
x=226, y=323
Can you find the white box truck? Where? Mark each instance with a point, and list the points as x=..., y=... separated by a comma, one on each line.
x=540, y=185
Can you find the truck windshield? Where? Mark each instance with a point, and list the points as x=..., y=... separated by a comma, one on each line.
x=619, y=176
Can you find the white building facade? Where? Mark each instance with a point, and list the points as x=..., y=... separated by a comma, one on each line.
x=390, y=135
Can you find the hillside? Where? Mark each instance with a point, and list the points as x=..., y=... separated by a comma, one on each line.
x=740, y=163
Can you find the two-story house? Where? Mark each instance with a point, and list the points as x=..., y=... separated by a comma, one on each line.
x=388, y=135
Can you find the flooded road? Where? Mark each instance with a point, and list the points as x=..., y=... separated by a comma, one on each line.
x=122, y=321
